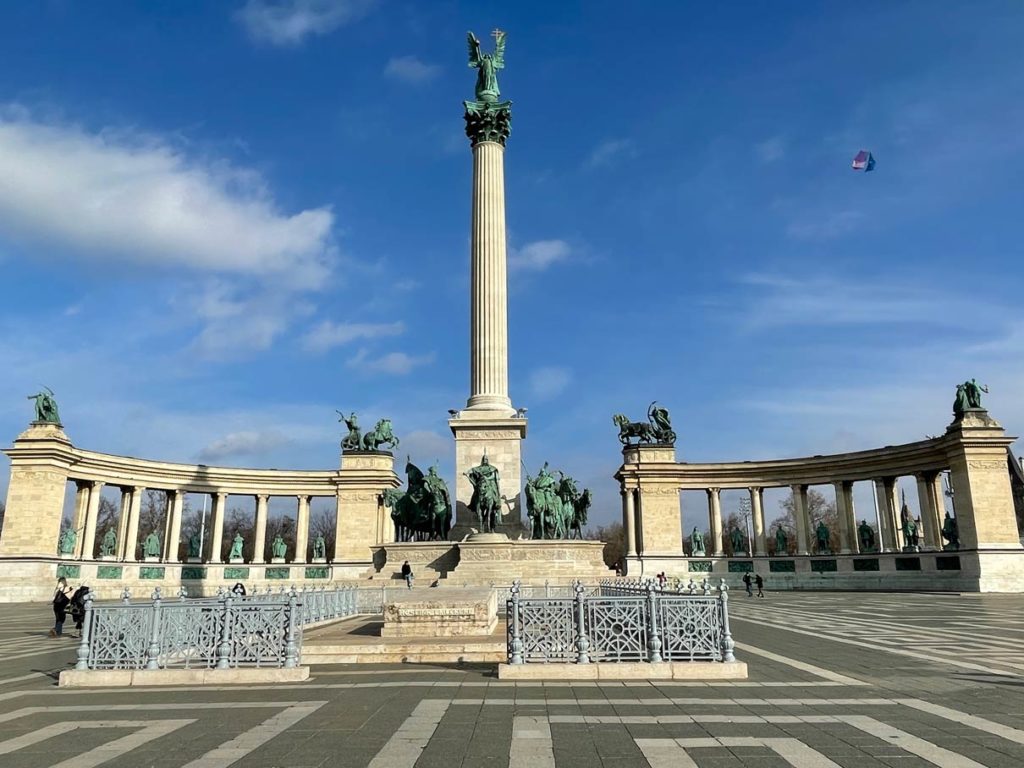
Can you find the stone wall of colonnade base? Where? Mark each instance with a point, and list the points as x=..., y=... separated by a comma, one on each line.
x=973, y=450
x=44, y=461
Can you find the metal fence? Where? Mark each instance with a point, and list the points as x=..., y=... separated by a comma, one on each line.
x=263, y=629
x=620, y=622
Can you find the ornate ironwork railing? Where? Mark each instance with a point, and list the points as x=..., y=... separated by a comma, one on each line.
x=263, y=629
x=620, y=622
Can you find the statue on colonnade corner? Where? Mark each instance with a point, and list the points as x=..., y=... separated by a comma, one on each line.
x=736, y=538
x=657, y=430
x=46, y=407
x=109, y=543
x=697, y=543
x=68, y=539
x=821, y=534
x=354, y=439
x=486, y=500
x=950, y=532
x=968, y=397
x=866, y=537
x=151, y=545
x=781, y=542
x=379, y=435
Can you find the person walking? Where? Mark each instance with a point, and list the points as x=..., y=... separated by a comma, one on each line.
x=61, y=598
x=760, y=585
x=78, y=607
x=746, y=583
x=407, y=574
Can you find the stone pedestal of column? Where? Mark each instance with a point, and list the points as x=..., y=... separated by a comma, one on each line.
x=500, y=438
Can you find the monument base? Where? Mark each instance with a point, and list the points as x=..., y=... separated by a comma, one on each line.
x=192, y=559
x=235, y=561
x=151, y=559
x=276, y=560
x=319, y=560
x=449, y=613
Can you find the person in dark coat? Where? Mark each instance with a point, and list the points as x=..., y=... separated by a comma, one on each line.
x=746, y=583
x=61, y=598
x=760, y=585
x=78, y=607
x=407, y=574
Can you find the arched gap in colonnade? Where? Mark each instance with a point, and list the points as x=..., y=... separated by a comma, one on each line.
x=240, y=519
x=323, y=519
x=196, y=515
x=775, y=503
x=736, y=515
x=281, y=513
x=694, y=506
x=822, y=509
x=152, y=519
x=109, y=529
x=865, y=510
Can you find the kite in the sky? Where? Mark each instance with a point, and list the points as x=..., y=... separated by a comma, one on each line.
x=863, y=161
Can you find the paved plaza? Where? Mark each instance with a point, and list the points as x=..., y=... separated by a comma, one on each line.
x=856, y=680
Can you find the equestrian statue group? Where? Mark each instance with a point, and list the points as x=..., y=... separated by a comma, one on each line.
x=355, y=440
x=555, y=507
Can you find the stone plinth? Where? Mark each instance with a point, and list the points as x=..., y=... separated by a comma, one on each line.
x=441, y=613
x=531, y=561
x=429, y=559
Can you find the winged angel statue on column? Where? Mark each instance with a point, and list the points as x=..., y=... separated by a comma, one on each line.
x=487, y=65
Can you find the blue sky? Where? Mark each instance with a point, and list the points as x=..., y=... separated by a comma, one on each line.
x=221, y=221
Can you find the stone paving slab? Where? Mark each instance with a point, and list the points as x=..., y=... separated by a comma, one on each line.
x=852, y=680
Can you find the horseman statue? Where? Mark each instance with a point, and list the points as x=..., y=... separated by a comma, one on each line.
x=424, y=511
x=486, y=500
x=381, y=434
x=556, y=508
x=657, y=430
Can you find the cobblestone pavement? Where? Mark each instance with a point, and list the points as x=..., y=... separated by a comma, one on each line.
x=854, y=680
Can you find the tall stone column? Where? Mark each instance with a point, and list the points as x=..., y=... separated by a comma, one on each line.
x=715, y=521
x=888, y=513
x=488, y=425
x=302, y=529
x=92, y=515
x=629, y=520
x=847, y=524
x=757, y=516
x=220, y=502
x=175, y=502
x=259, y=543
x=803, y=522
x=82, y=491
x=130, y=545
x=929, y=514
x=122, y=519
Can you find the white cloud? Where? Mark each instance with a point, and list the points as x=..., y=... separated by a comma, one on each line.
x=538, y=255
x=394, y=363
x=411, y=69
x=549, y=382
x=425, y=447
x=238, y=444
x=607, y=152
x=131, y=197
x=290, y=22
x=328, y=335
x=770, y=150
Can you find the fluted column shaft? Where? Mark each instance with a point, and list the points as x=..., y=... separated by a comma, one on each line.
x=888, y=513
x=176, y=500
x=130, y=545
x=803, y=523
x=260, y=543
x=715, y=521
x=630, y=520
x=302, y=529
x=489, y=303
x=92, y=514
x=757, y=515
x=220, y=502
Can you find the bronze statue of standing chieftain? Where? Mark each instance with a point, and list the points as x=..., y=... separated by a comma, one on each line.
x=657, y=430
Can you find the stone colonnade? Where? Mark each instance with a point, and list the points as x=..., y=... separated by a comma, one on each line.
x=43, y=461
x=973, y=450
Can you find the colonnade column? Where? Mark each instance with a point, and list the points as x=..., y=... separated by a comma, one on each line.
x=220, y=501
x=930, y=506
x=129, y=546
x=847, y=519
x=888, y=510
x=78, y=519
x=175, y=502
x=259, y=545
x=629, y=514
x=757, y=516
x=302, y=529
x=803, y=523
x=92, y=514
x=715, y=521
x=122, y=519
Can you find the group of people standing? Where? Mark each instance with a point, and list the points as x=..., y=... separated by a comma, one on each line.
x=67, y=600
x=749, y=584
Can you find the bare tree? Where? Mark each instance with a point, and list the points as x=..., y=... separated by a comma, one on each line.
x=238, y=521
x=107, y=517
x=153, y=513
x=614, y=538
x=321, y=523
x=283, y=526
x=819, y=509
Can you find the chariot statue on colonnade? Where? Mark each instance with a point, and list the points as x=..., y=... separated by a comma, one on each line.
x=658, y=429
x=381, y=434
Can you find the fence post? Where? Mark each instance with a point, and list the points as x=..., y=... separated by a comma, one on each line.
x=182, y=593
x=654, y=641
x=516, y=649
x=291, y=652
x=224, y=649
x=126, y=596
x=582, y=641
x=153, y=652
x=83, y=646
x=728, y=646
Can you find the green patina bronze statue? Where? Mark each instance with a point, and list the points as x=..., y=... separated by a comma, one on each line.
x=487, y=119
x=950, y=532
x=697, y=543
x=353, y=441
x=193, y=546
x=109, y=543
x=556, y=507
x=866, y=537
x=486, y=500
x=68, y=539
x=657, y=430
x=379, y=435
x=487, y=66
x=738, y=541
x=319, y=548
x=46, y=407
x=424, y=511
x=781, y=542
x=236, y=547
x=968, y=397
x=151, y=546
x=278, y=549
x=822, y=535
